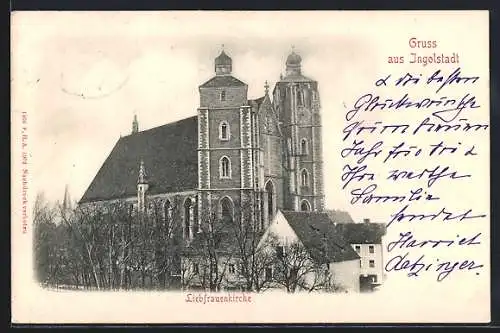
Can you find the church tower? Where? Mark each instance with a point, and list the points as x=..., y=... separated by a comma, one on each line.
x=296, y=101
x=225, y=146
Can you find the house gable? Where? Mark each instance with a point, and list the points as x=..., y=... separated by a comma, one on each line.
x=281, y=229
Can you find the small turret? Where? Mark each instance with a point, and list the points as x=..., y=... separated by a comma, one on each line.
x=223, y=64
x=293, y=63
x=67, y=200
x=135, y=125
x=142, y=187
x=142, y=174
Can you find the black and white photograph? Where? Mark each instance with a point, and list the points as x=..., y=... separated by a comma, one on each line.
x=328, y=166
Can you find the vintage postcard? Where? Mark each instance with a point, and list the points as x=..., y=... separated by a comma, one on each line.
x=250, y=167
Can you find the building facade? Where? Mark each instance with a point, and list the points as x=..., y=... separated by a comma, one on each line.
x=239, y=159
x=239, y=162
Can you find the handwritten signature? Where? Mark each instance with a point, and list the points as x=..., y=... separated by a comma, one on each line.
x=416, y=267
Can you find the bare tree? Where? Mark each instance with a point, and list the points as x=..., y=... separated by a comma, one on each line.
x=296, y=270
x=253, y=259
x=162, y=246
x=211, y=251
x=46, y=249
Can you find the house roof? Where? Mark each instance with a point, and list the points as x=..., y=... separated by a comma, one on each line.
x=317, y=233
x=362, y=233
x=339, y=216
x=223, y=81
x=169, y=153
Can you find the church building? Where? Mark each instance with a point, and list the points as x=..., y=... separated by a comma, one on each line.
x=240, y=159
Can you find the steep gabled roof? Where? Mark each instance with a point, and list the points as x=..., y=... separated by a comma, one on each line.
x=317, y=233
x=362, y=233
x=223, y=81
x=170, y=160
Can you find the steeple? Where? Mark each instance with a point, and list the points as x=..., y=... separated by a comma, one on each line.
x=293, y=63
x=142, y=187
x=135, y=125
x=142, y=174
x=302, y=135
x=67, y=199
x=223, y=63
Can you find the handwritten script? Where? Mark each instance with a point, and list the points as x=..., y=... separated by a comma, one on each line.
x=407, y=144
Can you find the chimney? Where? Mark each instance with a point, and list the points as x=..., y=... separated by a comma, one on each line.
x=365, y=220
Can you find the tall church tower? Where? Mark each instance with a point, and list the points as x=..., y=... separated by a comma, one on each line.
x=296, y=101
x=226, y=144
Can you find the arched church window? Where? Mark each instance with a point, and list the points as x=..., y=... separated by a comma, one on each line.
x=305, y=206
x=225, y=168
x=304, y=146
x=224, y=132
x=188, y=217
x=270, y=199
x=226, y=210
x=304, y=177
x=222, y=95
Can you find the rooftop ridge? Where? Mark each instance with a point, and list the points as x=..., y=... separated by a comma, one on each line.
x=159, y=127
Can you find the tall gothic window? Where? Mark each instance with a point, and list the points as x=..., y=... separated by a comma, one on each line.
x=304, y=146
x=222, y=95
x=226, y=210
x=270, y=199
x=167, y=215
x=225, y=167
x=305, y=206
x=304, y=177
x=224, y=132
x=188, y=217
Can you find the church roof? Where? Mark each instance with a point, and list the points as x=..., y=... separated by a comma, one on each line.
x=293, y=59
x=222, y=81
x=223, y=59
x=170, y=160
x=317, y=233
